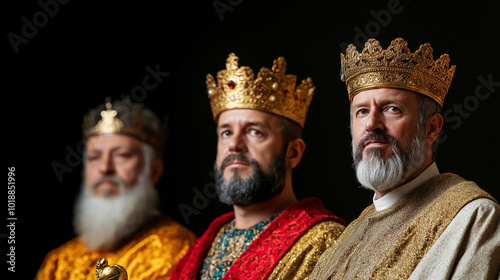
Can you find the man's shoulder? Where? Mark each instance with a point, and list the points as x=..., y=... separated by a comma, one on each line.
x=167, y=229
x=481, y=207
x=312, y=208
x=70, y=249
x=326, y=231
x=74, y=243
x=455, y=188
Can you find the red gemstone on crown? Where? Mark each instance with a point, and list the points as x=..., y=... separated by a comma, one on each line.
x=259, y=87
x=246, y=85
x=286, y=92
x=231, y=84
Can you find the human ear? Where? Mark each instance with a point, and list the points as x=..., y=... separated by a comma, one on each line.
x=295, y=151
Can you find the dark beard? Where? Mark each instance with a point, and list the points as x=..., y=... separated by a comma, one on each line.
x=259, y=187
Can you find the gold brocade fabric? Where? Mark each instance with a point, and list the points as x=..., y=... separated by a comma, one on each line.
x=299, y=262
x=389, y=244
x=150, y=255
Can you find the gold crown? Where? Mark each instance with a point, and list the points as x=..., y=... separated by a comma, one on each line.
x=127, y=118
x=396, y=67
x=273, y=90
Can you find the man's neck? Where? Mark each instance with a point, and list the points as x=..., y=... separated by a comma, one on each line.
x=247, y=216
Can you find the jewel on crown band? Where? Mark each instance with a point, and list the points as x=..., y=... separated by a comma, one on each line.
x=273, y=90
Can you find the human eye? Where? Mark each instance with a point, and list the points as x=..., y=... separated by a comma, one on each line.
x=361, y=112
x=225, y=133
x=393, y=109
x=124, y=154
x=92, y=156
x=255, y=132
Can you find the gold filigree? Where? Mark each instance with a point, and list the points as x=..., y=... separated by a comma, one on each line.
x=272, y=91
x=396, y=67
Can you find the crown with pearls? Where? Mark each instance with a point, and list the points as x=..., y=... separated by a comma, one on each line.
x=126, y=118
x=273, y=91
x=396, y=67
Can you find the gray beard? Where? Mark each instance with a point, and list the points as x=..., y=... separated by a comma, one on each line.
x=379, y=174
x=104, y=222
x=259, y=187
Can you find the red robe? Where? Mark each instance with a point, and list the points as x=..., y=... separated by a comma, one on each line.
x=264, y=253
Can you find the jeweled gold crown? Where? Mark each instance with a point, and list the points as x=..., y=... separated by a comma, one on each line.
x=273, y=90
x=396, y=67
x=127, y=118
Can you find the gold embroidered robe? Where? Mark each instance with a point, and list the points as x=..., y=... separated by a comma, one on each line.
x=389, y=244
x=151, y=254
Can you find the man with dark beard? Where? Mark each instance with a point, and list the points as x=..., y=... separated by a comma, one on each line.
x=422, y=224
x=270, y=235
x=116, y=213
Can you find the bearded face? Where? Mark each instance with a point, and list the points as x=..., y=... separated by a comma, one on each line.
x=258, y=187
x=380, y=174
x=388, y=138
x=104, y=219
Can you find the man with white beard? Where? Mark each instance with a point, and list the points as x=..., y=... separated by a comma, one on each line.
x=116, y=213
x=422, y=224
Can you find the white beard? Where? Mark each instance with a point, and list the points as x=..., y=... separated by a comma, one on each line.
x=379, y=174
x=103, y=222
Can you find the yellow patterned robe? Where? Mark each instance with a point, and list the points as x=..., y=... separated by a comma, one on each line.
x=151, y=254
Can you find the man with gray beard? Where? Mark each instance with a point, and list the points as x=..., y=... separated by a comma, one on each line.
x=116, y=213
x=422, y=224
x=270, y=234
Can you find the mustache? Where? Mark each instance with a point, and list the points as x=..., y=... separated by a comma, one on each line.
x=376, y=136
x=107, y=178
x=237, y=157
x=372, y=136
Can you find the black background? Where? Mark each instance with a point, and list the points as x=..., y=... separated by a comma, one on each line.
x=93, y=49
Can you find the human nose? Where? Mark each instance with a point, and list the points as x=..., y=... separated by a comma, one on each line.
x=106, y=165
x=374, y=122
x=237, y=143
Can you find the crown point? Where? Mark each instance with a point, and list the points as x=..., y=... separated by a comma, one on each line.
x=397, y=67
x=272, y=90
x=279, y=65
x=232, y=62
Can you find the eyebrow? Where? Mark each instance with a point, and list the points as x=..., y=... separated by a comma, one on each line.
x=383, y=102
x=98, y=150
x=256, y=123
